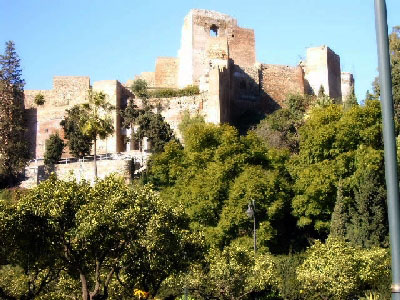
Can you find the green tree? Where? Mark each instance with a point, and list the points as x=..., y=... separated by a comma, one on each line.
x=139, y=88
x=281, y=128
x=340, y=215
x=330, y=140
x=271, y=193
x=351, y=99
x=39, y=99
x=368, y=224
x=96, y=122
x=13, y=147
x=188, y=120
x=215, y=176
x=78, y=143
x=27, y=263
x=153, y=126
x=54, y=149
x=108, y=234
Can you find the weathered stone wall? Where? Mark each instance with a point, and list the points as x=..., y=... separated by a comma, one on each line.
x=217, y=107
x=173, y=109
x=166, y=74
x=68, y=91
x=242, y=48
x=279, y=81
x=347, y=84
x=84, y=170
x=245, y=82
x=44, y=120
x=35, y=172
x=149, y=77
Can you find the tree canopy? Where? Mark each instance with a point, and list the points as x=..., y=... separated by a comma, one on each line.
x=108, y=234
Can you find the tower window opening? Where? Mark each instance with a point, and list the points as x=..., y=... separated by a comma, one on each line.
x=214, y=30
x=242, y=85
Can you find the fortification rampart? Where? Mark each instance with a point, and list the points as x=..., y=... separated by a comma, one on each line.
x=279, y=81
x=166, y=74
x=216, y=54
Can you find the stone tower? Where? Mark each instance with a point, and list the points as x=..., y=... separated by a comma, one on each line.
x=322, y=68
x=209, y=35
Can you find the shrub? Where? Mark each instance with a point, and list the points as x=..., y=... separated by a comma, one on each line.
x=288, y=285
x=54, y=149
x=190, y=90
x=336, y=270
x=330, y=271
x=39, y=99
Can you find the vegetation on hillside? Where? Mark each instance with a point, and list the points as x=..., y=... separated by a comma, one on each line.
x=141, y=90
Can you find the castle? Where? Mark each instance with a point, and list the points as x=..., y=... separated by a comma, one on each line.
x=215, y=54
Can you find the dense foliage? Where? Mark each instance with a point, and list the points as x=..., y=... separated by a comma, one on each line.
x=78, y=143
x=93, y=237
x=146, y=123
x=39, y=99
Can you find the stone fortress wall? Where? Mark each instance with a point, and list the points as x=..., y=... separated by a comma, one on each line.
x=215, y=54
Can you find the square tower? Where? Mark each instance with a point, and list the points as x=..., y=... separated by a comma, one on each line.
x=200, y=30
x=322, y=68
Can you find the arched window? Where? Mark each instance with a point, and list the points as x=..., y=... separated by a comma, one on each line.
x=214, y=30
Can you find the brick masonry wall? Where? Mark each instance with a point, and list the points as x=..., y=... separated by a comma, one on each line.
x=149, y=77
x=279, y=81
x=166, y=74
x=242, y=49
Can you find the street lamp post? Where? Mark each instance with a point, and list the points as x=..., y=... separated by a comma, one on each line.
x=251, y=213
x=392, y=182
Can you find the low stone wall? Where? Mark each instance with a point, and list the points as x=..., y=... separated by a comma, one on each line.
x=35, y=172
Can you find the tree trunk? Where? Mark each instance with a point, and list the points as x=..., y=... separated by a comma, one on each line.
x=85, y=292
x=95, y=160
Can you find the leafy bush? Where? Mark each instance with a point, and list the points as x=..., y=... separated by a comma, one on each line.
x=54, y=149
x=336, y=270
x=164, y=93
x=39, y=99
x=190, y=90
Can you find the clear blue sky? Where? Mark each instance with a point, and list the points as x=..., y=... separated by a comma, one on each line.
x=117, y=39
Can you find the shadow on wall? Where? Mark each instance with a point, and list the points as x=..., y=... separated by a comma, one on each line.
x=249, y=102
x=31, y=133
